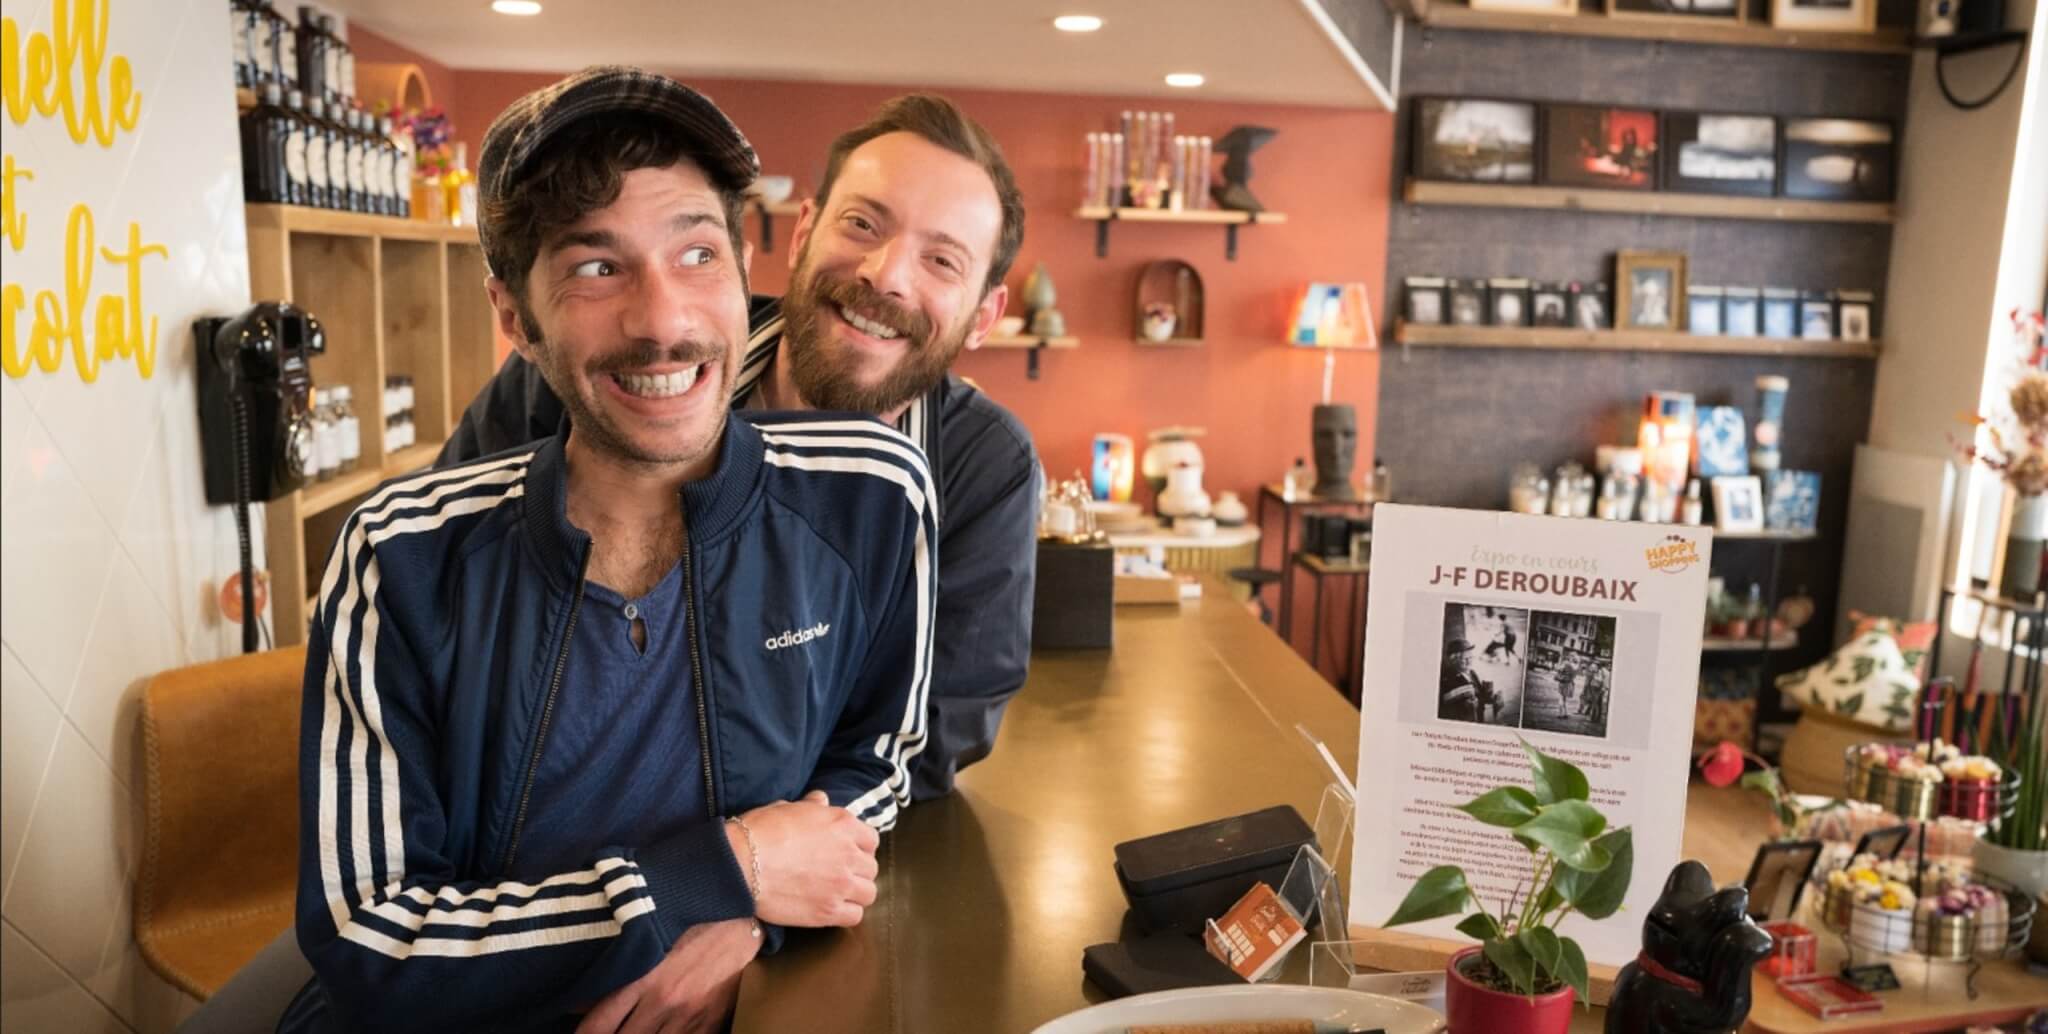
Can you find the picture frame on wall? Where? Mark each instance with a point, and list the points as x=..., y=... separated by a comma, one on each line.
x=1817, y=316
x=1852, y=315
x=1838, y=159
x=1703, y=310
x=1423, y=298
x=1475, y=140
x=1708, y=153
x=1467, y=302
x=1607, y=148
x=1723, y=10
x=1649, y=290
x=1739, y=312
x=1589, y=306
x=1550, y=305
x=1825, y=15
x=1781, y=312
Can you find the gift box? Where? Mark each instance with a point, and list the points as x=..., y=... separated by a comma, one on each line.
x=1179, y=879
x=1794, y=950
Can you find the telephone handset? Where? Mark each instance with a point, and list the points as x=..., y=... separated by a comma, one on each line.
x=255, y=390
x=255, y=416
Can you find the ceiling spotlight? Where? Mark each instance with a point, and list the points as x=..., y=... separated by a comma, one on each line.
x=1184, y=80
x=1077, y=23
x=521, y=8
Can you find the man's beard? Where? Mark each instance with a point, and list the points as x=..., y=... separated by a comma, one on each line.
x=827, y=381
x=588, y=421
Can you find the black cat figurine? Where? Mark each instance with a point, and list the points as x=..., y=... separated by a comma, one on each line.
x=1692, y=976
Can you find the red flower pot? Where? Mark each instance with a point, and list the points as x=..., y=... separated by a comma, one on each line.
x=1477, y=1009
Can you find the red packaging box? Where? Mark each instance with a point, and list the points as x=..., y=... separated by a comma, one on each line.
x=1793, y=950
x=1828, y=997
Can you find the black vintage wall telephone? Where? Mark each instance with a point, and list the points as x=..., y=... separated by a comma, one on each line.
x=255, y=415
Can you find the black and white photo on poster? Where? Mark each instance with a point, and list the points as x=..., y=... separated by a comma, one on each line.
x=1485, y=650
x=1570, y=681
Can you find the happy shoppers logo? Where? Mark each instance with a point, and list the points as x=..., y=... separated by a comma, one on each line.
x=1672, y=555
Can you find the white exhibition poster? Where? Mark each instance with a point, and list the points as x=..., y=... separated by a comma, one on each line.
x=1581, y=637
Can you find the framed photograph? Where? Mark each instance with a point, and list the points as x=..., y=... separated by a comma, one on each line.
x=1838, y=159
x=1550, y=305
x=1739, y=316
x=1475, y=141
x=1468, y=302
x=1510, y=295
x=1585, y=146
x=1721, y=445
x=1738, y=504
x=1793, y=502
x=1816, y=316
x=1589, y=306
x=1703, y=310
x=1852, y=315
x=1649, y=290
x=1727, y=10
x=1425, y=299
x=1777, y=877
x=1884, y=843
x=1781, y=312
x=1482, y=664
x=1825, y=15
x=1721, y=154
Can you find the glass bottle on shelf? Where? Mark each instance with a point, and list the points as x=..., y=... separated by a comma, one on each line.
x=319, y=192
x=298, y=176
x=337, y=159
x=376, y=178
x=277, y=51
x=341, y=61
x=244, y=21
x=266, y=133
x=461, y=189
x=398, y=166
x=429, y=202
x=358, y=159
x=326, y=448
x=348, y=431
x=312, y=53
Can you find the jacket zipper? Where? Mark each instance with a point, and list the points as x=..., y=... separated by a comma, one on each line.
x=697, y=671
x=547, y=715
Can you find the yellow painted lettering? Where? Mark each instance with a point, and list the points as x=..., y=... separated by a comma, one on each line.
x=46, y=341
x=11, y=91
x=133, y=343
x=13, y=299
x=77, y=288
x=60, y=72
x=13, y=221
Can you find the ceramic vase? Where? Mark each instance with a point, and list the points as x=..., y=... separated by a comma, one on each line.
x=2023, y=546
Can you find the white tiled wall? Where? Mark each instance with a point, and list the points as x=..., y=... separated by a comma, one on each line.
x=110, y=555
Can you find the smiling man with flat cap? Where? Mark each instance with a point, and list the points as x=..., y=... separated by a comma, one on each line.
x=581, y=717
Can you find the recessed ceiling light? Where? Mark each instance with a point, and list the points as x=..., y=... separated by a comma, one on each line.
x=522, y=8
x=1184, y=80
x=1077, y=23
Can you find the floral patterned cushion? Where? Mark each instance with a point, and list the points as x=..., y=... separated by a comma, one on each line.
x=1869, y=680
x=1914, y=636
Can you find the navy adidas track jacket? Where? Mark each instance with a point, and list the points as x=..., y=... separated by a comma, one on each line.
x=434, y=664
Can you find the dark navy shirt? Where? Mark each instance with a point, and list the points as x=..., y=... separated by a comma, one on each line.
x=625, y=722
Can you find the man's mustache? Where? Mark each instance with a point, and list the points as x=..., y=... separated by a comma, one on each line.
x=864, y=299
x=646, y=353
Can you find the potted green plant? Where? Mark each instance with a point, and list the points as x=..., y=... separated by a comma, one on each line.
x=2015, y=849
x=1523, y=976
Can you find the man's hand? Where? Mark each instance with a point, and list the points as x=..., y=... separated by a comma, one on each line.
x=817, y=862
x=689, y=992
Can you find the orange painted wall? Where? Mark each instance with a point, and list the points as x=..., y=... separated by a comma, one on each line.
x=1328, y=169
x=441, y=81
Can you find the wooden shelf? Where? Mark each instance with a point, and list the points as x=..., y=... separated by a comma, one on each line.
x=1229, y=219
x=1028, y=341
x=1719, y=644
x=1646, y=202
x=1172, y=342
x=300, y=219
x=345, y=488
x=1443, y=335
x=1664, y=30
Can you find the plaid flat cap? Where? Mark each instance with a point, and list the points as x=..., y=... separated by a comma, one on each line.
x=527, y=124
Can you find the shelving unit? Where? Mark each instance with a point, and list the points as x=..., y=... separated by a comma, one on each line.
x=1646, y=202
x=1031, y=345
x=1663, y=30
x=1445, y=335
x=1229, y=219
x=395, y=297
x=767, y=211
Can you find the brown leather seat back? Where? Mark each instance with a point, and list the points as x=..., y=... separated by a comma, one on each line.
x=221, y=814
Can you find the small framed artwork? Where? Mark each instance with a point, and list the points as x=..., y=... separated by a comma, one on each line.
x=1838, y=159
x=1825, y=15
x=1721, y=154
x=1703, y=310
x=1721, y=446
x=1739, y=311
x=1726, y=10
x=1777, y=877
x=1550, y=305
x=1793, y=502
x=1475, y=141
x=1817, y=316
x=1468, y=302
x=1614, y=148
x=1884, y=843
x=1649, y=289
x=1589, y=306
x=1852, y=315
x=1425, y=299
x=1738, y=504
x=1510, y=295
x=1781, y=312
